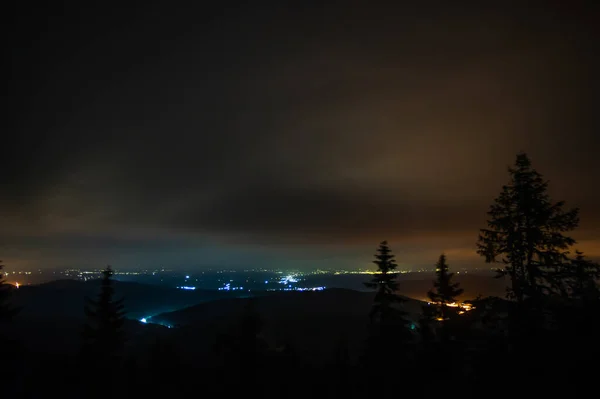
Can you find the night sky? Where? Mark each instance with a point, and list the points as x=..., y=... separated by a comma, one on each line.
x=294, y=135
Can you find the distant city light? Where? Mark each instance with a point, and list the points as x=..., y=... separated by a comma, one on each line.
x=17, y=285
x=187, y=277
x=143, y=320
x=463, y=307
x=185, y=287
x=305, y=289
x=227, y=287
x=288, y=279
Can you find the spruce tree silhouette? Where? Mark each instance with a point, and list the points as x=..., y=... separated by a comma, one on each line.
x=385, y=285
x=338, y=379
x=581, y=278
x=11, y=348
x=163, y=368
x=577, y=314
x=245, y=350
x=445, y=293
x=341, y=356
x=7, y=311
x=103, y=334
x=427, y=325
x=525, y=233
x=581, y=282
x=387, y=322
x=250, y=344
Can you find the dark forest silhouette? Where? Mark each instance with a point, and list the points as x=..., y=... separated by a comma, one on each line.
x=545, y=329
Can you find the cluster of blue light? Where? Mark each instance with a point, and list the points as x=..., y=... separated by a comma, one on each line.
x=185, y=287
x=228, y=287
x=290, y=288
x=310, y=289
x=288, y=279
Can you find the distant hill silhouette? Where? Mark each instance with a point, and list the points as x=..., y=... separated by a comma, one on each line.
x=311, y=322
x=56, y=308
x=141, y=300
x=416, y=285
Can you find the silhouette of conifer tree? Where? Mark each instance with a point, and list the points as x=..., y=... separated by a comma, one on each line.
x=384, y=282
x=249, y=347
x=250, y=344
x=7, y=311
x=11, y=354
x=340, y=353
x=581, y=278
x=525, y=233
x=426, y=324
x=103, y=334
x=445, y=292
x=163, y=368
x=388, y=323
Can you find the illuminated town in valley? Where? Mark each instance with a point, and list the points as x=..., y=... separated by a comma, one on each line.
x=227, y=280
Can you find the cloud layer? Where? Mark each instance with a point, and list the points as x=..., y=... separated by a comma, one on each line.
x=295, y=128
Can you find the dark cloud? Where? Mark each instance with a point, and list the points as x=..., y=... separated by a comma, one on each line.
x=293, y=125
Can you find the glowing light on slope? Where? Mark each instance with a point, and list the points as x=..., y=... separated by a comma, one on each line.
x=288, y=279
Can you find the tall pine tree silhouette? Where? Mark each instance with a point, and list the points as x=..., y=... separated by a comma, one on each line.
x=384, y=282
x=103, y=333
x=245, y=351
x=388, y=333
x=11, y=355
x=581, y=278
x=7, y=311
x=388, y=322
x=578, y=317
x=525, y=233
x=445, y=292
x=251, y=346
